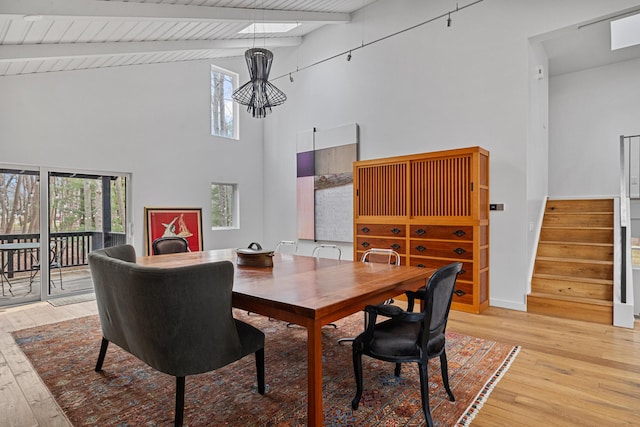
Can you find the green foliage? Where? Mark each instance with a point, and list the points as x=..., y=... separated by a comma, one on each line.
x=75, y=204
x=222, y=196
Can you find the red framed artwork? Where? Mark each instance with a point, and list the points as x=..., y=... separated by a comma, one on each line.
x=183, y=222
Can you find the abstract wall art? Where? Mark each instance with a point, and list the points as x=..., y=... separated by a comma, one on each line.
x=325, y=183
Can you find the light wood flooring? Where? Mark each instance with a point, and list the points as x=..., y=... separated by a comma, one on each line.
x=568, y=373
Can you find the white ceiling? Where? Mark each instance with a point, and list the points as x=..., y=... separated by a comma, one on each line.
x=39, y=36
x=586, y=45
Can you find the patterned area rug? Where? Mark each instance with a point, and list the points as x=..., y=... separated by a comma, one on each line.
x=129, y=393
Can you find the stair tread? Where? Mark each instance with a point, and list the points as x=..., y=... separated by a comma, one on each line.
x=566, y=227
x=581, y=300
x=575, y=260
x=558, y=242
x=553, y=212
x=573, y=279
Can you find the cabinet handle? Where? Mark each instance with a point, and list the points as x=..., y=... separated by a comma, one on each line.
x=421, y=265
x=365, y=244
x=395, y=230
x=395, y=246
x=459, y=233
x=421, y=248
x=459, y=251
x=420, y=231
x=365, y=229
x=459, y=292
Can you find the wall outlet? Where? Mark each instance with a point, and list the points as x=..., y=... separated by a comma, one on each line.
x=496, y=206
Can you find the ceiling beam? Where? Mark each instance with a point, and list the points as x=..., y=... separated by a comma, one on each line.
x=118, y=10
x=30, y=52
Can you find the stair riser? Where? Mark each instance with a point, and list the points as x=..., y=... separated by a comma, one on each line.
x=571, y=288
x=578, y=236
x=596, y=253
x=578, y=220
x=570, y=310
x=596, y=205
x=563, y=268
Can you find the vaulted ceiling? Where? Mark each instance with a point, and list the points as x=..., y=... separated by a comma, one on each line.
x=39, y=36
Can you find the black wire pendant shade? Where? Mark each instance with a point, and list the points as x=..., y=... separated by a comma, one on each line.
x=258, y=94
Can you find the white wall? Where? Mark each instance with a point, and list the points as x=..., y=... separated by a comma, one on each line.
x=152, y=121
x=589, y=111
x=429, y=89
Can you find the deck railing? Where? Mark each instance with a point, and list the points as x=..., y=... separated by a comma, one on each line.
x=77, y=246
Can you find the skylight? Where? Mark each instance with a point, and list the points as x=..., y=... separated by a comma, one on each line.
x=269, y=27
x=625, y=32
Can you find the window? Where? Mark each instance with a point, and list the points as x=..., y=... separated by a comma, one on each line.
x=224, y=211
x=635, y=251
x=224, y=112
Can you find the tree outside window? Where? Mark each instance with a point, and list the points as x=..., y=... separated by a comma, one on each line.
x=223, y=205
x=224, y=111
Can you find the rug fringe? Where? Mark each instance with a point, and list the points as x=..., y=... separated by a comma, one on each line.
x=470, y=413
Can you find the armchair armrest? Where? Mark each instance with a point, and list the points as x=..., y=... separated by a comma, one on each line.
x=420, y=294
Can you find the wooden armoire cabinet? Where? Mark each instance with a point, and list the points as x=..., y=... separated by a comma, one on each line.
x=433, y=209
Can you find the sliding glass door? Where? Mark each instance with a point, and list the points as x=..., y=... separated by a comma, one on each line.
x=48, y=259
x=19, y=235
x=86, y=212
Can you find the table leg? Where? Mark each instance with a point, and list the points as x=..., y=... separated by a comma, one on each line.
x=314, y=368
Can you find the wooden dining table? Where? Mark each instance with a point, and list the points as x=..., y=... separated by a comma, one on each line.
x=309, y=292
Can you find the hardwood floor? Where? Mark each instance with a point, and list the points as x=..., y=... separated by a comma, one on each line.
x=568, y=373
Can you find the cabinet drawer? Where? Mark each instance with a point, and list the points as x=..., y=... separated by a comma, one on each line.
x=463, y=293
x=444, y=232
x=398, y=245
x=434, y=248
x=384, y=230
x=465, y=274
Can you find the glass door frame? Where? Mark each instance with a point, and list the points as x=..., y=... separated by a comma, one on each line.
x=44, y=172
x=45, y=220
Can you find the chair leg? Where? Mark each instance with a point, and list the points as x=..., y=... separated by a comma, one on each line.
x=179, y=401
x=260, y=370
x=102, y=354
x=398, y=369
x=424, y=391
x=445, y=375
x=357, y=370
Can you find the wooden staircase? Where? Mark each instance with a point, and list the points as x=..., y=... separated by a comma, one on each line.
x=573, y=273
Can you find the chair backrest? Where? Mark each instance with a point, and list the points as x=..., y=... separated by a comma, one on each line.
x=324, y=248
x=57, y=248
x=170, y=245
x=437, y=300
x=386, y=256
x=167, y=317
x=288, y=246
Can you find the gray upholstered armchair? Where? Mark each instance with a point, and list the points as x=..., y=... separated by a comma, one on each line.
x=177, y=320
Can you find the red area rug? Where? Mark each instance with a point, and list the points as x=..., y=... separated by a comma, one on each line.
x=129, y=393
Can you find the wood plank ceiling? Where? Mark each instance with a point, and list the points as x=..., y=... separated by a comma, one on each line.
x=40, y=36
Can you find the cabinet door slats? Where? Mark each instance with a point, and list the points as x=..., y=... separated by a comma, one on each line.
x=445, y=191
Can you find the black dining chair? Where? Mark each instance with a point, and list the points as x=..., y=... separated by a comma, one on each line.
x=170, y=245
x=410, y=337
